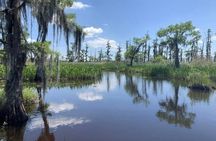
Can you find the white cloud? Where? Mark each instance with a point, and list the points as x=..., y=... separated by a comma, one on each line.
x=214, y=38
x=103, y=85
x=29, y=40
x=57, y=108
x=90, y=97
x=200, y=42
x=79, y=5
x=197, y=29
x=102, y=42
x=56, y=122
x=92, y=31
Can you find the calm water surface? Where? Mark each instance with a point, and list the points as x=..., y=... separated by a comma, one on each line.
x=121, y=108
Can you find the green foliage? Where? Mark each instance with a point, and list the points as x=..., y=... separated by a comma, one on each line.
x=79, y=71
x=153, y=70
x=133, y=50
x=130, y=51
x=68, y=71
x=29, y=96
x=160, y=60
x=160, y=71
x=29, y=72
x=197, y=77
x=208, y=45
x=38, y=47
x=108, y=55
x=118, y=56
x=177, y=35
x=65, y=3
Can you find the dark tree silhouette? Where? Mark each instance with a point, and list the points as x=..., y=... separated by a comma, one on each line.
x=174, y=113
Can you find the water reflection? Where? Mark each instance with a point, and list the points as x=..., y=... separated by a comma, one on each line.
x=90, y=96
x=131, y=88
x=199, y=96
x=108, y=83
x=12, y=133
x=57, y=108
x=45, y=135
x=108, y=109
x=175, y=113
x=118, y=77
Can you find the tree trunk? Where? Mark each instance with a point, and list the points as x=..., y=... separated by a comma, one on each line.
x=40, y=72
x=131, y=61
x=15, y=133
x=14, y=112
x=58, y=69
x=177, y=63
x=149, y=51
x=40, y=76
x=50, y=66
x=170, y=54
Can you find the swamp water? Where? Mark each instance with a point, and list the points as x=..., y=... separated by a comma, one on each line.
x=120, y=108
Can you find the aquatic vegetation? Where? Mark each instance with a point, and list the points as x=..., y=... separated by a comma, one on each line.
x=78, y=71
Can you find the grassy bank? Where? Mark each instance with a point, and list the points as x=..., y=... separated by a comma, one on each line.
x=191, y=74
x=78, y=71
x=68, y=71
x=196, y=73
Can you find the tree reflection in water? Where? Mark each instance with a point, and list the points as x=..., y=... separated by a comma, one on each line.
x=118, y=77
x=199, y=96
x=132, y=89
x=45, y=133
x=174, y=113
x=12, y=133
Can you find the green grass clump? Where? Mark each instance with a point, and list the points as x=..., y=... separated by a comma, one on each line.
x=153, y=70
x=198, y=77
x=30, y=96
x=29, y=72
x=78, y=71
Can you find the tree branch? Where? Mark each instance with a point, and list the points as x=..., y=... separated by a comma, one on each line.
x=3, y=42
x=9, y=10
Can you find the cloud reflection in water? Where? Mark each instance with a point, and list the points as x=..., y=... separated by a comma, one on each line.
x=57, y=108
x=56, y=122
x=90, y=96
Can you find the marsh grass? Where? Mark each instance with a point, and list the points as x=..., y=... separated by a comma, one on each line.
x=197, y=72
x=79, y=71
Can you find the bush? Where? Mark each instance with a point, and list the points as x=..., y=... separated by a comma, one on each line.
x=198, y=78
x=161, y=71
x=29, y=96
x=160, y=60
x=29, y=72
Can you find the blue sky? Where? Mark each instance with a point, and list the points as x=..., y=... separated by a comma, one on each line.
x=121, y=20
